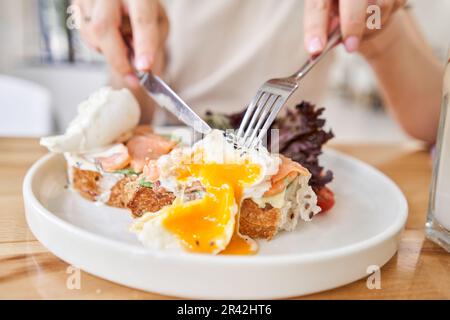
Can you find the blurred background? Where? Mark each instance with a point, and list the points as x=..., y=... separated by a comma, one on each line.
x=45, y=71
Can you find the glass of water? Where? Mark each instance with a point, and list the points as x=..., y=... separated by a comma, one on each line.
x=438, y=220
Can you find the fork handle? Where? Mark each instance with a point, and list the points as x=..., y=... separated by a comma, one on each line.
x=333, y=39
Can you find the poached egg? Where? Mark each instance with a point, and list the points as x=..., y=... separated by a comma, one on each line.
x=209, y=223
x=101, y=119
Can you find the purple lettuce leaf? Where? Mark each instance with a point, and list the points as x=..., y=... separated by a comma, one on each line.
x=301, y=137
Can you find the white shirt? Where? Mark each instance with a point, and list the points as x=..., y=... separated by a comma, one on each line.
x=221, y=51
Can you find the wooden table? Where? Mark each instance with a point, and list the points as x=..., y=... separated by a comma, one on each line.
x=419, y=270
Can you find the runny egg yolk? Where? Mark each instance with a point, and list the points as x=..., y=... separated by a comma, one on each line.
x=205, y=225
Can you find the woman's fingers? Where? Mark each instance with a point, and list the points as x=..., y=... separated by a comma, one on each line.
x=144, y=22
x=116, y=52
x=316, y=17
x=105, y=27
x=163, y=25
x=321, y=15
x=104, y=30
x=86, y=8
x=160, y=57
x=352, y=16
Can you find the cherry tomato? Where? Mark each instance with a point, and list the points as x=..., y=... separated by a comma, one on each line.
x=325, y=199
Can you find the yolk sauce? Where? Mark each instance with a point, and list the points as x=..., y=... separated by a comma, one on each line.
x=240, y=245
x=203, y=225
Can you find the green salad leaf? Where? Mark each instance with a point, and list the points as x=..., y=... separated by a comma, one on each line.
x=126, y=171
x=146, y=184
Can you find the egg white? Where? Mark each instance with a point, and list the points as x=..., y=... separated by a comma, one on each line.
x=101, y=119
x=152, y=233
x=214, y=148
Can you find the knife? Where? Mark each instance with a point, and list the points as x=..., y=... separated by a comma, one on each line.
x=168, y=99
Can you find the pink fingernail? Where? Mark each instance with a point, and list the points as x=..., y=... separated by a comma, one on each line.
x=315, y=45
x=132, y=81
x=351, y=44
x=142, y=63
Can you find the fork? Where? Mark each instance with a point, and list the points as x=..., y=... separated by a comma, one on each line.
x=272, y=96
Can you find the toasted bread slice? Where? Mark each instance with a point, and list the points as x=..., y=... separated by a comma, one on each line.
x=263, y=218
x=93, y=186
x=258, y=223
x=143, y=199
x=257, y=219
x=255, y=222
x=86, y=182
x=118, y=196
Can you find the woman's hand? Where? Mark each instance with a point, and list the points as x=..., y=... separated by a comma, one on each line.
x=104, y=27
x=322, y=15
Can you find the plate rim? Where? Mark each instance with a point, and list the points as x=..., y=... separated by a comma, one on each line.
x=269, y=260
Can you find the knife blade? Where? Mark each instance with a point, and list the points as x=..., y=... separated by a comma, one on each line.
x=169, y=100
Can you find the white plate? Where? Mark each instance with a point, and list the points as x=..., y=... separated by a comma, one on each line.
x=334, y=249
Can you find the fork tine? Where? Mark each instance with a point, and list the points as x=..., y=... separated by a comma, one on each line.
x=267, y=109
x=248, y=113
x=277, y=106
x=261, y=103
x=275, y=93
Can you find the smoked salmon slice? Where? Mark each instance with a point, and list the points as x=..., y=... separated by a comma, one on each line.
x=151, y=171
x=287, y=172
x=116, y=161
x=142, y=130
x=146, y=147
